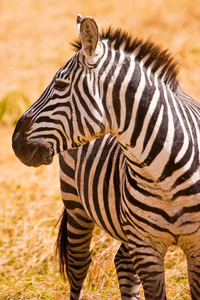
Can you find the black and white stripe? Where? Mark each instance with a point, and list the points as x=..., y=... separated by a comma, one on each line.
x=90, y=184
x=141, y=181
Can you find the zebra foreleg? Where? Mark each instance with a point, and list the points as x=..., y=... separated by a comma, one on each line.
x=73, y=246
x=194, y=278
x=80, y=229
x=150, y=268
x=193, y=261
x=75, y=231
x=129, y=281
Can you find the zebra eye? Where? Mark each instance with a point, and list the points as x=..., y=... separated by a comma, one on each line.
x=60, y=85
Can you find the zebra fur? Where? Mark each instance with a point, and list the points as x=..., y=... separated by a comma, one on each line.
x=110, y=158
x=126, y=89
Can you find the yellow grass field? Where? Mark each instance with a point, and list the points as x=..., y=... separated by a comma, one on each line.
x=34, y=43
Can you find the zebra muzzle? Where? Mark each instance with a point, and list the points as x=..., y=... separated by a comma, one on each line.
x=32, y=152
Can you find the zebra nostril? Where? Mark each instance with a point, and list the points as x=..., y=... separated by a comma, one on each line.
x=51, y=151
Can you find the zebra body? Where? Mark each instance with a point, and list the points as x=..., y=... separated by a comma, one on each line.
x=126, y=88
x=90, y=177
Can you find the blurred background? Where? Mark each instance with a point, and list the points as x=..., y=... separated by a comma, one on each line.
x=34, y=44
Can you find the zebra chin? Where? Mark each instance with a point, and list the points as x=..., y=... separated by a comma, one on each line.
x=33, y=153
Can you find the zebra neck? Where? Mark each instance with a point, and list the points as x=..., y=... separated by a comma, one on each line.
x=146, y=127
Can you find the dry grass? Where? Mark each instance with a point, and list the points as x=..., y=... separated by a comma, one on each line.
x=34, y=37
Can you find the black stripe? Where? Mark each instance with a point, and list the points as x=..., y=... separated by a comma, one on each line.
x=66, y=169
x=78, y=116
x=116, y=88
x=129, y=96
x=83, y=103
x=91, y=130
x=143, y=106
x=67, y=188
x=90, y=98
x=191, y=190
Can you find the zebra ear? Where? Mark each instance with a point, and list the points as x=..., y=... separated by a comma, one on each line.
x=88, y=32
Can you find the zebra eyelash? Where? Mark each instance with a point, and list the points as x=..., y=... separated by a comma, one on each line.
x=61, y=85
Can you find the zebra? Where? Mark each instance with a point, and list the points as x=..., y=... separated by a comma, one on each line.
x=124, y=88
x=104, y=155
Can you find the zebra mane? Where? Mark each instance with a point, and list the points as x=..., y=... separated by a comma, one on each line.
x=161, y=60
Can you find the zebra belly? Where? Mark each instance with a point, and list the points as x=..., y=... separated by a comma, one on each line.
x=99, y=169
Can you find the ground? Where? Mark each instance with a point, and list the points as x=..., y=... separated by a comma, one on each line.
x=34, y=43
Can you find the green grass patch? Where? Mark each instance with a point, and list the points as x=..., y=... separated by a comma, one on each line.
x=12, y=106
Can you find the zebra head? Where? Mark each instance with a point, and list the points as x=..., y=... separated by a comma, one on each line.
x=70, y=111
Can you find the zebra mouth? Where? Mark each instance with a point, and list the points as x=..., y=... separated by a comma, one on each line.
x=41, y=155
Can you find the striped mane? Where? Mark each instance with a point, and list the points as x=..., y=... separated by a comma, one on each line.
x=161, y=60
